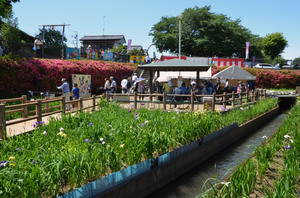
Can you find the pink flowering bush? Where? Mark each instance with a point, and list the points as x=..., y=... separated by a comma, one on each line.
x=19, y=76
x=270, y=78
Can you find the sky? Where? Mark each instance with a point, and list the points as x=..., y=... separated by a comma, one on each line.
x=135, y=18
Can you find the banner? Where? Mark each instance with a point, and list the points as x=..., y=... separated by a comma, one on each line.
x=129, y=45
x=137, y=59
x=247, y=49
x=108, y=56
x=72, y=53
x=83, y=83
x=92, y=54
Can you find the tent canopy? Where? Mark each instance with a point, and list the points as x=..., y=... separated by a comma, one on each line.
x=234, y=72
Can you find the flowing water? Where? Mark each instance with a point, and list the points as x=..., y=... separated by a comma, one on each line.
x=191, y=184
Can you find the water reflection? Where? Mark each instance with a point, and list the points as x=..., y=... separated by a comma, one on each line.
x=191, y=184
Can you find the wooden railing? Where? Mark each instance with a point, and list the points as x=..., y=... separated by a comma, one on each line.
x=39, y=111
x=161, y=100
x=192, y=100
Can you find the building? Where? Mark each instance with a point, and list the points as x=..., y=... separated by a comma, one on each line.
x=102, y=41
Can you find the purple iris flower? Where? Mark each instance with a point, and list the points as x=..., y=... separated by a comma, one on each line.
x=143, y=104
x=86, y=140
x=142, y=124
x=18, y=148
x=288, y=147
x=223, y=108
x=90, y=124
x=42, y=122
x=33, y=162
x=3, y=164
x=241, y=109
x=36, y=123
x=129, y=111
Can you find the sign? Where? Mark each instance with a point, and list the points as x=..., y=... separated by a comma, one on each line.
x=92, y=54
x=84, y=84
x=72, y=53
x=172, y=57
x=137, y=59
x=247, y=49
x=129, y=45
x=228, y=61
x=108, y=56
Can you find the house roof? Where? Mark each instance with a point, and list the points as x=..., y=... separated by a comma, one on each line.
x=174, y=65
x=234, y=72
x=103, y=38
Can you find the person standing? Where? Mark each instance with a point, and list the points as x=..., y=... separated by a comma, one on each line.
x=75, y=92
x=65, y=91
x=106, y=85
x=124, y=83
x=218, y=86
x=113, y=85
x=37, y=46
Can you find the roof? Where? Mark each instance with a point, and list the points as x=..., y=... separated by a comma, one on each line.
x=234, y=72
x=103, y=37
x=166, y=75
x=174, y=65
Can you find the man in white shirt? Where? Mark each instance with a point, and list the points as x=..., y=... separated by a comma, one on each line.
x=124, y=83
x=65, y=91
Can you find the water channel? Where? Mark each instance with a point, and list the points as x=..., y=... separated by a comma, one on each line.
x=191, y=183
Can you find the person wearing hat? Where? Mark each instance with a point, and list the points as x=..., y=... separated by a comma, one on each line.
x=65, y=91
x=37, y=46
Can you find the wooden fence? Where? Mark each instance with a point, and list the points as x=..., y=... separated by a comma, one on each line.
x=159, y=101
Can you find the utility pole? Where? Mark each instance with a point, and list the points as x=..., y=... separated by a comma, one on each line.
x=63, y=35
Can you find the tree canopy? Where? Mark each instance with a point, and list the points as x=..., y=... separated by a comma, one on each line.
x=274, y=44
x=52, y=37
x=6, y=7
x=204, y=33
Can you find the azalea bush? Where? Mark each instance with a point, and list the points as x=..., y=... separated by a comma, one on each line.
x=244, y=179
x=74, y=150
x=270, y=78
x=20, y=75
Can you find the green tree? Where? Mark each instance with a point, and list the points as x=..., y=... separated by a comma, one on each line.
x=52, y=37
x=119, y=48
x=6, y=7
x=296, y=61
x=274, y=44
x=10, y=33
x=136, y=52
x=204, y=33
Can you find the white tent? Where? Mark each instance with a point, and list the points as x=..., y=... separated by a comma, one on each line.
x=234, y=72
x=165, y=76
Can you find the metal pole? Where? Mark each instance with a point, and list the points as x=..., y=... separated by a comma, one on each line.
x=179, y=38
x=62, y=42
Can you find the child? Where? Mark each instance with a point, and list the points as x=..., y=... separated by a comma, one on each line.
x=75, y=92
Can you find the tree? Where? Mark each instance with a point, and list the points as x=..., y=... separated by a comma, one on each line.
x=296, y=61
x=10, y=33
x=136, y=52
x=274, y=44
x=119, y=48
x=6, y=7
x=204, y=33
x=52, y=37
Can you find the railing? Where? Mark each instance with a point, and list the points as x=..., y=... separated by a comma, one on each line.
x=154, y=101
x=39, y=111
x=193, y=100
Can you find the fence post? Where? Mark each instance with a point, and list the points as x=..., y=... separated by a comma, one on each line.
x=80, y=104
x=252, y=96
x=247, y=97
x=164, y=100
x=213, y=102
x=47, y=105
x=192, y=101
x=39, y=111
x=135, y=100
x=63, y=105
x=24, y=100
x=224, y=99
x=265, y=93
x=93, y=102
x=107, y=96
x=241, y=98
x=2, y=122
x=233, y=99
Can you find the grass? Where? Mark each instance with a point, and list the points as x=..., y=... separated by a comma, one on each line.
x=72, y=151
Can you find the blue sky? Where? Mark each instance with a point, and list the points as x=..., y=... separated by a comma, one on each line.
x=135, y=18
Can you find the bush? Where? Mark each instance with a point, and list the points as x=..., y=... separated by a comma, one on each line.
x=20, y=75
